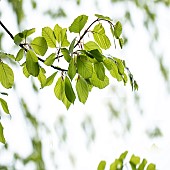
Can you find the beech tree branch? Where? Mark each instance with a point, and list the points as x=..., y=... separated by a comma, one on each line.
x=22, y=46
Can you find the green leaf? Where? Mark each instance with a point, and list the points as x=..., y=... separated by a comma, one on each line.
x=66, y=102
x=134, y=161
x=123, y=155
x=91, y=45
x=20, y=55
x=142, y=165
x=69, y=90
x=97, y=55
x=27, y=33
x=97, y=82
x=18, y=38
x=121, y=42
x=100, y=37
x=50, y=79
x=59, y=88
x=6, y=75
x=78, y=24
x=151, y=166
x=103, y=17
x=32, y=63
x=84, y=67
x=120, y=66
x=42, y=77
x=116, y=165
x=118, y=30
x=4, y=105
x=64, y=41
x=71, y=48
x=115, y=72
x=50, y=59
x=48, y=34
x=2, y=139
x=135, y=86
x=82, y=89
x=101, y=165
x=72, y=69
x=109, y=63
x=100, y=70
x=57, y=32
x=39, y=45
x=25, y=71
x=66, y=54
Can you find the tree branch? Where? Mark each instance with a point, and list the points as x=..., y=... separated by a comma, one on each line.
x=22, y=46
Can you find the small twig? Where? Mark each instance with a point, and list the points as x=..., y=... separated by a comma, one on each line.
x=22, y=46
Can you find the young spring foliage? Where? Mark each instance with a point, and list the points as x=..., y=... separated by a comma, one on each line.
x=87, y=66
x=122, y=162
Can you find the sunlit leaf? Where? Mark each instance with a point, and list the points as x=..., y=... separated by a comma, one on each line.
x=116, y=165
x=118, y=30
x=82, y=89
x=6, y=75
x=48, y=34
x=97, y=55
x=25, y=71
x=57, y=32
x=20, y=55
x=39, y=45
x=66, y=102
x=50, y=79
x=78, y=24
x=100, y=70
x=100, y=36
x=121, y=42
x=42, y=77
x=18, y=38
x=134, y=160
x=72, y=45
x=101, y=165
x=151, y=166
x=69, y=90
x=27, y=33
x=50, y=59
x=123, y=155
x=59, y=89
x=32, y=63
x=142, y=165
x=2, y=139
x=66, y=54
x=97, y=82
x=72, y=69
x=64, y=41
x=91, y=45
x=84, y=67
x=4, y=106
x=103, y=17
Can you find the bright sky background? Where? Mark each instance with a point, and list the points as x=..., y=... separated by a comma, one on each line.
x=107, y=145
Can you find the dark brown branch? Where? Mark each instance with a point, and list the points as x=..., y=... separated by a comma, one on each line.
x=22, y=46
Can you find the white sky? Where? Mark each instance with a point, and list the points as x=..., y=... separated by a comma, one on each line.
x=154, y=98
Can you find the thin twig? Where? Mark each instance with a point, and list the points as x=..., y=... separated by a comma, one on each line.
x=22, y=46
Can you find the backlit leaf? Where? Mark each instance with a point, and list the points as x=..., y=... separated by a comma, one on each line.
x=6, y=75
x=48, y=34
x=27, y=33
x=66, y=102
x=42, y=77
x=84, y=67
x=69, y=90
x=50, y=59
x=59, y=89
x=103, y=17
x=32, y=63
x=4, y=105
x=91, y=45
x=18, y=38
x=151, y=166
x=97, y=82
x=64, y=41
x=118, y=30
x=2, y=139
x=78, y=24
x=100, y=70
x=57, y=32
x=97, y=55
x=142, y=165
x=121, y=42
x=134, y=160
x=20, y=55
x=39, y=45
x=50, y=79
x=25, y=71
x=72, y=45
x=72, y=69
x=66, y=54
x=82, y=89
x=101, y=165
x=100, y=36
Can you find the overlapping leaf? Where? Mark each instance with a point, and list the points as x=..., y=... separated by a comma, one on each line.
x=72, y=69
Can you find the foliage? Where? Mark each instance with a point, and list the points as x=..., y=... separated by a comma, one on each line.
x=121, y=163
